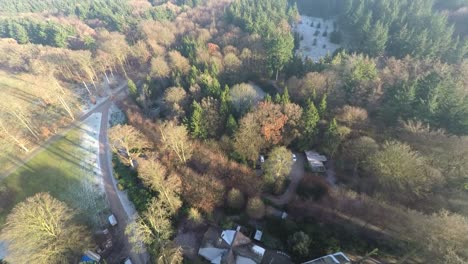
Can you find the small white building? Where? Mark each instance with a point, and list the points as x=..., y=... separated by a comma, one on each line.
x=258, y=235
x=316, y=161
x=337, y=258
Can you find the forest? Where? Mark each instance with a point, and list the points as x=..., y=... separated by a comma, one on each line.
x=213, y=85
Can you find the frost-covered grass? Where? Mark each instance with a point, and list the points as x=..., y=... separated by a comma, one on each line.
x=69, y=170
x=314, y=43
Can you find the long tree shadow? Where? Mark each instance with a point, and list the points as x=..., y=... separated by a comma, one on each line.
x=82, y=194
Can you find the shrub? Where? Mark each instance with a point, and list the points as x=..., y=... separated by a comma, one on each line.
x=299, y=244
x=317, y=32
x=272, y=242
x=325, y=33
x=352, y=115
x=319, y=25
x=255, y=208
x=235, y=199
x=227, y=223
x=128, y=180
x=314, y=43
x=195, y=216
x=312, y=186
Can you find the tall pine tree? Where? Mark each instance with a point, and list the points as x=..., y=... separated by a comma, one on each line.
x=310, y=119
x=331, y=138
x=196, y=126
x=323, y=106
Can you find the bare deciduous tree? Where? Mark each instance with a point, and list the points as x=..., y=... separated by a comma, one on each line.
x=127, y=142
x=175, y=139
x=153, y=228
x=154, y=175
x=41, y=230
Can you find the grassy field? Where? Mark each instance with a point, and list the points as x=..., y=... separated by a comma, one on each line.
x=65, y=171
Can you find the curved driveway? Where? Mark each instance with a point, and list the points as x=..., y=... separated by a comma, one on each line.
x=295, y=177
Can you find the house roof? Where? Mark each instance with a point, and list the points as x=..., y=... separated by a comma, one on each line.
x=212, y=254
x=315, y=159
x=242, y=260
x=230, y=246
x=228, y=236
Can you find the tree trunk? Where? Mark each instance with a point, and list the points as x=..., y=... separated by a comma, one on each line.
x=94, y=84
x=87, y=89
x=277, y=73
x=107, y=78
x=66, y=107
x=122, y=65
x=23, y=120
x=16, y=140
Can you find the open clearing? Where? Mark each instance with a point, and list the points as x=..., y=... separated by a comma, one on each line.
x=323, y=46
x=69, y=170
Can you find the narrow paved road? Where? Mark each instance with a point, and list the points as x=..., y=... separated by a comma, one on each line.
x=110, y=187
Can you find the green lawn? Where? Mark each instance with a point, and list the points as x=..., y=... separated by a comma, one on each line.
x=61, y=171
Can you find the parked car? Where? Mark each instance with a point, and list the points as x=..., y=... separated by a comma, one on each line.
x=112, y=220
x=294, y=158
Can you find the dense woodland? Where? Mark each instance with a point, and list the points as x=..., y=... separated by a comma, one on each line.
x=214, y=84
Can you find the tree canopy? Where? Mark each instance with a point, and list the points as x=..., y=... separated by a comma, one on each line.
x=42, y=230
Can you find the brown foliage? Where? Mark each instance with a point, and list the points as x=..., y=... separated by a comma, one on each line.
x=293, y=125
x=313, y=83
x=204, y=192
x=272, y=121
x=233, y=174
x=212, y=48
x=137, y=119
x=352, y=115
x=178, y=62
